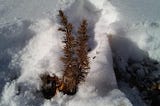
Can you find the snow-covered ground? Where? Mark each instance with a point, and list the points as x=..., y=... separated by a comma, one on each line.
x=30, y=45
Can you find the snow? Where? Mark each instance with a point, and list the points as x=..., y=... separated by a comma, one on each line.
x=139, y=21
x=137, y=10
x=31, y=45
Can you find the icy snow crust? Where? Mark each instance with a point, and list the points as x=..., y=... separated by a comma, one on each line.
x=30, y=45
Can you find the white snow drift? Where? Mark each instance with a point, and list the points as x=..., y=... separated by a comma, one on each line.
x=42, y=48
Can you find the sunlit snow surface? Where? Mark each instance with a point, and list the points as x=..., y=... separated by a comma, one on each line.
x=30, y=45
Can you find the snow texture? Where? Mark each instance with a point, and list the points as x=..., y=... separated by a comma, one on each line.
x=30, y=45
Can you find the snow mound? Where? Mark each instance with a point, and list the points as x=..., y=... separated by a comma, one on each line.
x=42, y=51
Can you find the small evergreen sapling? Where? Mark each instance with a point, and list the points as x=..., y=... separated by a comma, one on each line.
x=82, y=50
x=75, y=59
x=69, y=59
